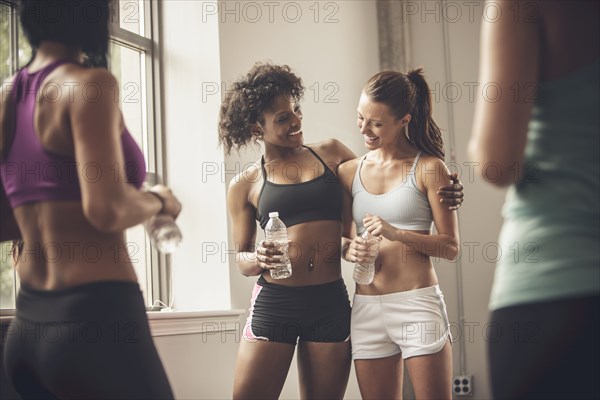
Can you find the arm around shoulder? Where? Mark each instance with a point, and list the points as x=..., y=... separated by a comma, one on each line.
x=339, y=151
x=346, y=173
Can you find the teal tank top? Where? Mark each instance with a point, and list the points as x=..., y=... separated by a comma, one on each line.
x=550, y=238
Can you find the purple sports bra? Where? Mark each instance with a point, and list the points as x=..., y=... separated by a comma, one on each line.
x=32, y=174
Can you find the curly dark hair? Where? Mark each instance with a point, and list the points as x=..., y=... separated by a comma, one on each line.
x=249, y=97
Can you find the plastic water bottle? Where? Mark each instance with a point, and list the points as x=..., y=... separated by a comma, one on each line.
x=275, y=231
x=164, y=233
x=364, y=273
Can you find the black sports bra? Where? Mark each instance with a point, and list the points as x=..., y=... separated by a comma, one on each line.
x=314, y=200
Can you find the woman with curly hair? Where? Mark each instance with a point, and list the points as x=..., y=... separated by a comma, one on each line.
x=311, y=308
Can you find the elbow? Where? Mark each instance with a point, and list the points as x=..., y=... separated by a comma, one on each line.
x=491, y=168
x=248, y=270
x=103, y=217
x=498, y=175
x=249, y=274
x=451, y=250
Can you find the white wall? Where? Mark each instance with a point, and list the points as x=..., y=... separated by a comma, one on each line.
x=191, y=58
x=199, y=365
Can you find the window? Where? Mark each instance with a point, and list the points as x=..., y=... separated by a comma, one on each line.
x=14, y=53
x=133, y=60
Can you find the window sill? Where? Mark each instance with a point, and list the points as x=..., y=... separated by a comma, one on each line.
x=172, y=323
x=168, y=323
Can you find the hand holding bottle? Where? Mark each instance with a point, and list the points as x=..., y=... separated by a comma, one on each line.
x=269, y=254
x=171, y=206
x=162, y=229
x=362, y=249
x=364, y=269
x=272, y=254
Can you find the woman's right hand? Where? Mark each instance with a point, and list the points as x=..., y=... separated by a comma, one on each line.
x=268, y=255
x=172, y=206
x=358, y=251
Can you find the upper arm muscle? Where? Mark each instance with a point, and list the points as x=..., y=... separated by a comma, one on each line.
x=346, y=173
x=509, y=64
x=445, y=220
x=96, y=136
x=242, y=215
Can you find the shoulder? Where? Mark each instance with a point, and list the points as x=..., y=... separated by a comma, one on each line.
x=432, y=171
x=91, y=76
x=241, y=184
x=93, y=97
x=328, y=144
x=92, y=85
x=333, y=151
x=349, y=167
x=347, y=171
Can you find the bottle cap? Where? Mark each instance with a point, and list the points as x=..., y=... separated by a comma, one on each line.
x=273, y=214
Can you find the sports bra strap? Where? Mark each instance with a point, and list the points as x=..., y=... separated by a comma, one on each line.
x=262, y=167
x=17, y=84
x=40, y=76
x=320, y=159
x=315, y=154
x=414, y=166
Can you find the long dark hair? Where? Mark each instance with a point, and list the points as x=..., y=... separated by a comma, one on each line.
x=409, y=94
x=83, y=24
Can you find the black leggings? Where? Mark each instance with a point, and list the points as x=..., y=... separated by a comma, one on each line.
x=546, y=350
x=86, y=342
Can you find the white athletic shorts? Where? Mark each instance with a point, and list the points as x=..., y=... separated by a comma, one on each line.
x=414, y=323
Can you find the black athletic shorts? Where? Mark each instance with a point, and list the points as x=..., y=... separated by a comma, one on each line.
x=90, y=341
x=286, y=314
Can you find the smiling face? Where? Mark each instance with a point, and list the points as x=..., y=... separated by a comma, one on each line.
x=377, y=124
x=281, y=124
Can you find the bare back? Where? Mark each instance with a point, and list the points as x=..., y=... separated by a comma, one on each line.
x=61, y=247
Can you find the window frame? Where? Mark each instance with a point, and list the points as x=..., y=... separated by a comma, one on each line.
x=13, y=67
x=158, y=277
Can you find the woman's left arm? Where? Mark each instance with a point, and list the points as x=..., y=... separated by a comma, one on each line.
x=445, y=243
x=508, y=75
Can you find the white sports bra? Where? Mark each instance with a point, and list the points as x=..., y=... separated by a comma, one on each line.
x=403, y=207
